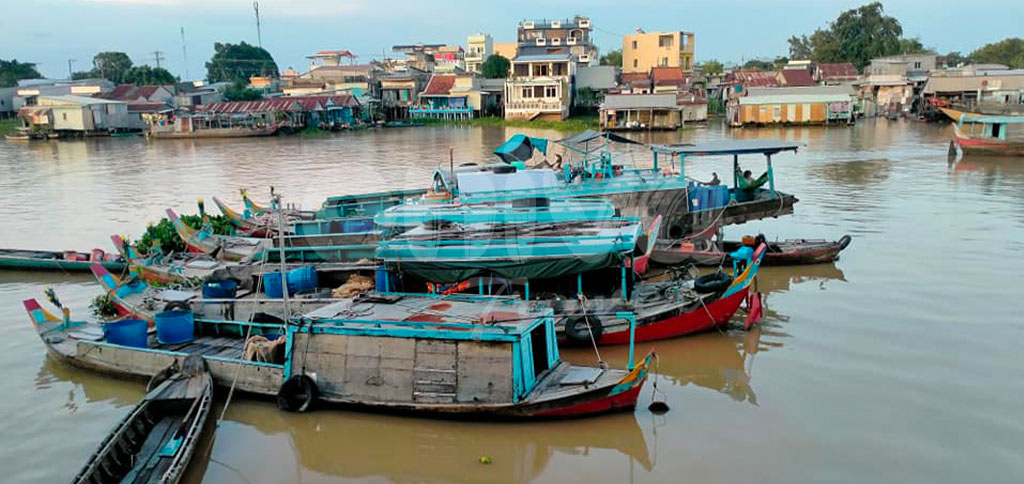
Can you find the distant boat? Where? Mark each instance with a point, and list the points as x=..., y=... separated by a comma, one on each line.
x=702, y=251
x=46, y=260
x=988, y=135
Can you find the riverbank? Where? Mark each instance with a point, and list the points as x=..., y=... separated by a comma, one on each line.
x=8, y=126
x=576, y=123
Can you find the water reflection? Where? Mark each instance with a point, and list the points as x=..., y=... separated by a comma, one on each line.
x=358, y=446
x=93, y=387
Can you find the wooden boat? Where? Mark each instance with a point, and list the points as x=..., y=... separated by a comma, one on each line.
x=156, y=440
x=235, y=132
x=45, y=260
x=535, y=210
x=449, y=357
x=707, y=252
x=263, y=222
x=988, y=135
x=220, y=246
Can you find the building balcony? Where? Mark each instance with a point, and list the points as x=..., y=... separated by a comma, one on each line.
x=535, y=105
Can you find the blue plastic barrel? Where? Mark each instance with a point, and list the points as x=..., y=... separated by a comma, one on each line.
x=272, y=285
x=175, y=326
x=127, y=332
x=357, y=225
x=302, y=279
x=220, y=289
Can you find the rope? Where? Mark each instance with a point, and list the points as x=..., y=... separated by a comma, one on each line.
x=590, y=330
x=248, y=333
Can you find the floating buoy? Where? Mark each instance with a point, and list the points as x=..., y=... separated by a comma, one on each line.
x=658, y=407
x=485, y=460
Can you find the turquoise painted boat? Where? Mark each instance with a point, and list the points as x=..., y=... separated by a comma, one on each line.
x=447, y=357
x=533, y=210
x=452, y=252
x=59, y=261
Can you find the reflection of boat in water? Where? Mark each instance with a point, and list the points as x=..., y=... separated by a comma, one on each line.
x=95, y=388
x=780, y=279
x=342, y=444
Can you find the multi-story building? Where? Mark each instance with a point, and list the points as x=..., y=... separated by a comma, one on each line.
x=450, y=58
x=508, y=50
x=478, y=48
x=568, y=36
x=644, y=50
x=540, y=86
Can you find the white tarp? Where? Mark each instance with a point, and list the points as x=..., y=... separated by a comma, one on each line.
x=477, y=183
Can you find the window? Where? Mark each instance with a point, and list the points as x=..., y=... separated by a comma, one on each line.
x=64, y=116
x=635, y=63
x=403, y=94
x=521, y=70
x=540, y=70
x=917, y=65
x=527, y=92
x=664, y=41
x=664, y=62
x=560, y=69
x=551, y=91
x=634, y=44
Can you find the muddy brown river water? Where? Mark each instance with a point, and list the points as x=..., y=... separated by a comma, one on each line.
x=901, y=362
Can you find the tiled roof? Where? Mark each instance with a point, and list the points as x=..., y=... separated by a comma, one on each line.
x=841, y=71
x=122, y=90
x=796, y=78
x=146, y=107
x=284, y=103
x=667, y=75
x=630, y=77
x=755, y=78
x=439, y=85
x=146, y=91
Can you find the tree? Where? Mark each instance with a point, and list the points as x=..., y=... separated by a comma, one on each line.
x=13, y=71
x=145, y=74
x=111, y=65
x=239, y=91
x=954, y=59
x=1009, y=52
x=857, y=36
x=612, y=58
x=239, y=62
x=495, y=67
x=759, y=64
x=711, y=67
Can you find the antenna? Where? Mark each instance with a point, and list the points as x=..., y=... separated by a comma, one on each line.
x=259, y=35
x=158, y=56
x=184, y=54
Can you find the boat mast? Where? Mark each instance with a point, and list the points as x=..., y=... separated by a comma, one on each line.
x=280, y=248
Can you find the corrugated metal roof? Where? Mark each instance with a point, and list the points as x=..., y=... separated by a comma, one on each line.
x=667, y=75
x=640, y=101
x=729, y=147
x=285, y=103
x=439, y=85
x=838, y=71
x=796, y=77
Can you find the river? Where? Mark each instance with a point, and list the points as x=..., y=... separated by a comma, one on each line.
x=900, y=362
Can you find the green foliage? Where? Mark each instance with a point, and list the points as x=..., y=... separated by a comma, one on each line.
x=239, y=62
x=586, y=96
x=145, y=74
x=103, y=306
x=912, y=46
x=82, y=75
x=111, y=65
x=240, y=91
x=954, y=59
x=164, y=235
x=711, y=68
x=13, y=71
x=1008, y=52
x=9, y=125
x=495, y=67
x=758, y=64
x=856, y=36
x=611, y=58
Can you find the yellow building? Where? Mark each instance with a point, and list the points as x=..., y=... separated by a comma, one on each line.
x=644, y=50
x=508, y=50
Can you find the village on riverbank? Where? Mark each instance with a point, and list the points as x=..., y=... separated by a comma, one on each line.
x=550, y=75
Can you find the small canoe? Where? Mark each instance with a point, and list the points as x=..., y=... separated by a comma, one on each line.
x=46, y=260
x=156, y=441
x=704, y=252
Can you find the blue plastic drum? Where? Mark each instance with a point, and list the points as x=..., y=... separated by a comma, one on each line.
x=174, y=327
x=127, y=332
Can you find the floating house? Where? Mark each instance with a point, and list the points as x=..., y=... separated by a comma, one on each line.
x=792, y=105
x=450, y=96
x=71, y=115
x=641, y=112
x=257, y=118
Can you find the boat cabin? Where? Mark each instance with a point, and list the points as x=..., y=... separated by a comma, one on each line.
x=995, y=135
x=422, y=350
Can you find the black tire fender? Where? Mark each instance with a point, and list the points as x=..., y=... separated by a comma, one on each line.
x=297, y=394
x=576, y=329
x=177, y=305
x=716, y=282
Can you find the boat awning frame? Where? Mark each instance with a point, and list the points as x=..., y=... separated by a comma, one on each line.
x=725, y=148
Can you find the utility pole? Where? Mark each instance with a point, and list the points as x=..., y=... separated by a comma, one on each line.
x=259, y=34
x=158, y=56
x=71, y=74
x=184, y=54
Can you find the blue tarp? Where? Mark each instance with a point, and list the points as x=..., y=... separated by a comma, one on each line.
x=520, y=148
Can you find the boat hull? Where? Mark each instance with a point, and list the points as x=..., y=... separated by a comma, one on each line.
x=811, y=252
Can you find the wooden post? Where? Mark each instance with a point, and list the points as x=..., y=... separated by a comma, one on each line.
x=771, y=177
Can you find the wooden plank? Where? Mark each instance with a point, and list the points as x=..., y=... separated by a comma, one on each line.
x=484, y=372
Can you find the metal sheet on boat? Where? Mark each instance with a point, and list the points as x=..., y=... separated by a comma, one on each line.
x=203, y=264
x=581, y=376
x=171, y=295
x=88, y=333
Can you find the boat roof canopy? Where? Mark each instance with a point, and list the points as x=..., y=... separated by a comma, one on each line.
x=728, y=147
x=520, y=148
x=981, y=118
x=590, y=135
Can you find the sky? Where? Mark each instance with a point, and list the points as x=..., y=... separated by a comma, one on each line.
x=49, y=32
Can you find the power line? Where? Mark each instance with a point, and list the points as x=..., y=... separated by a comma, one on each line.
x=158, y=56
